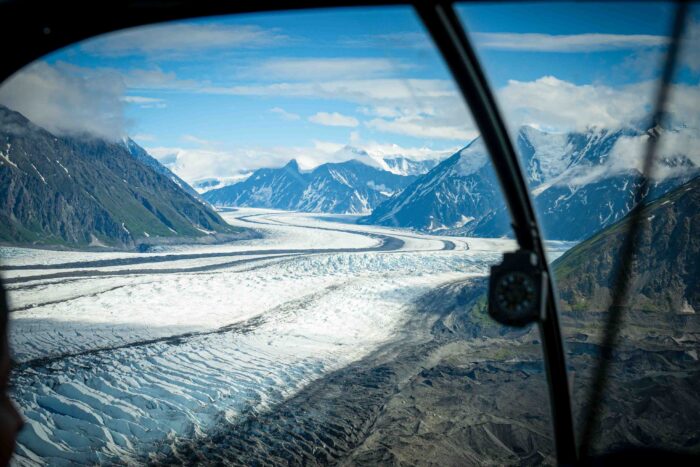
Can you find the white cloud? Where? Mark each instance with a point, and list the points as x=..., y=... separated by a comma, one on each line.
x=284, y=115
x=629, y=150
x=367, y=151
x=534, y=42
x=555, y=105
x=558, y=106
x=380, y=111
x=192, y=164
x=321, y=69
x=367, y=91
x=146, y=102
x=552, y=104
x=197, y=140
x=422, y=128
x=198, y=163
x=155, y=78
x=63, y=98
x=399, y=40
x=181, y=40
x=416, y=107
x=647, y=63
x=390, y=150
x=333, y=119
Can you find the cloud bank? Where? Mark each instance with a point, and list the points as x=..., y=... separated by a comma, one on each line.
x=533, y=42
x=67, y=99
x=179, y=40
x=63, y=98
x=334, y=119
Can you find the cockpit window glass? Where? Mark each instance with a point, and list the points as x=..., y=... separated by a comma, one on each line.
x=255, y=238
x=577, y=84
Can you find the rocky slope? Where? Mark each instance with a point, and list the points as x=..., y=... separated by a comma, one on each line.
x=349, y=187
x=667, y=262
x=79, y=191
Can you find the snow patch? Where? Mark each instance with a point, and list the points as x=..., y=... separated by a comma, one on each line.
x=39, y=173
x=6, y=156
x=59, y=163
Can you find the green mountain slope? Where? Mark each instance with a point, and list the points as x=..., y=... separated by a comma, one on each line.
x=81, y=191
x=667, y=263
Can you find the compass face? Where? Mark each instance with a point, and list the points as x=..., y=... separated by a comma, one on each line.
x=515, y=294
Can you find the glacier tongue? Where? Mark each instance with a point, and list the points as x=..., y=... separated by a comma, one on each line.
x=111, y=372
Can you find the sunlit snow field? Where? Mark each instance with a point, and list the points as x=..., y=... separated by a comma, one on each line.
x=116, y=361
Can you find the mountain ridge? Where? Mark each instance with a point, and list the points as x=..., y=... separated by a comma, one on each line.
x=573, y=187
x=349, y=187
x=85, y=192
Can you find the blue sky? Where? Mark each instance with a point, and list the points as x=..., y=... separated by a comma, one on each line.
x=222, y=96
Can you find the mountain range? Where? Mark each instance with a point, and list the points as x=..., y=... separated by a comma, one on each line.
x=350, y=187
x=80, y=191
x=574, y=187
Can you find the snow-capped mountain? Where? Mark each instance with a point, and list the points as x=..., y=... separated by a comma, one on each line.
x=404, y=166
x=392, y=160
x=350, y=187
x=577, y=181
x=451, y=195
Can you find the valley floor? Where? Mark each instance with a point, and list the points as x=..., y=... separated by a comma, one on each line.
x=125, y=355
x=322, y=343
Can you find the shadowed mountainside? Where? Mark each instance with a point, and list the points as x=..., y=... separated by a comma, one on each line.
x=79, y=191
x=666, y=264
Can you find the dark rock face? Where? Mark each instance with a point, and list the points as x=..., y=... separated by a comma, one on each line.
x=347, y=187
x=567, y=174
x=81, y=191
x=667, y=260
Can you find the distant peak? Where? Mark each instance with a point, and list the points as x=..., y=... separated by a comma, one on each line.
x=293, y=165
x=354, y=162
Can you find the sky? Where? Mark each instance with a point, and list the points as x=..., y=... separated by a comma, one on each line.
x=219, y=97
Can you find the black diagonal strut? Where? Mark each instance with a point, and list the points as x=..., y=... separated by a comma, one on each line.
x=623, y=274
x=446, y=30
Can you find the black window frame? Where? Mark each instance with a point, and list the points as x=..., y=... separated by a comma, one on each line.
x=30, y=29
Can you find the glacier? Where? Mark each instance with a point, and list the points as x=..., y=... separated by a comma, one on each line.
x=120, y=355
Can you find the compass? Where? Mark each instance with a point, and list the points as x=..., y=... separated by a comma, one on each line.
x=517, y=289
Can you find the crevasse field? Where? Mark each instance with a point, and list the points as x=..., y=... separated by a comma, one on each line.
x=123, y=354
